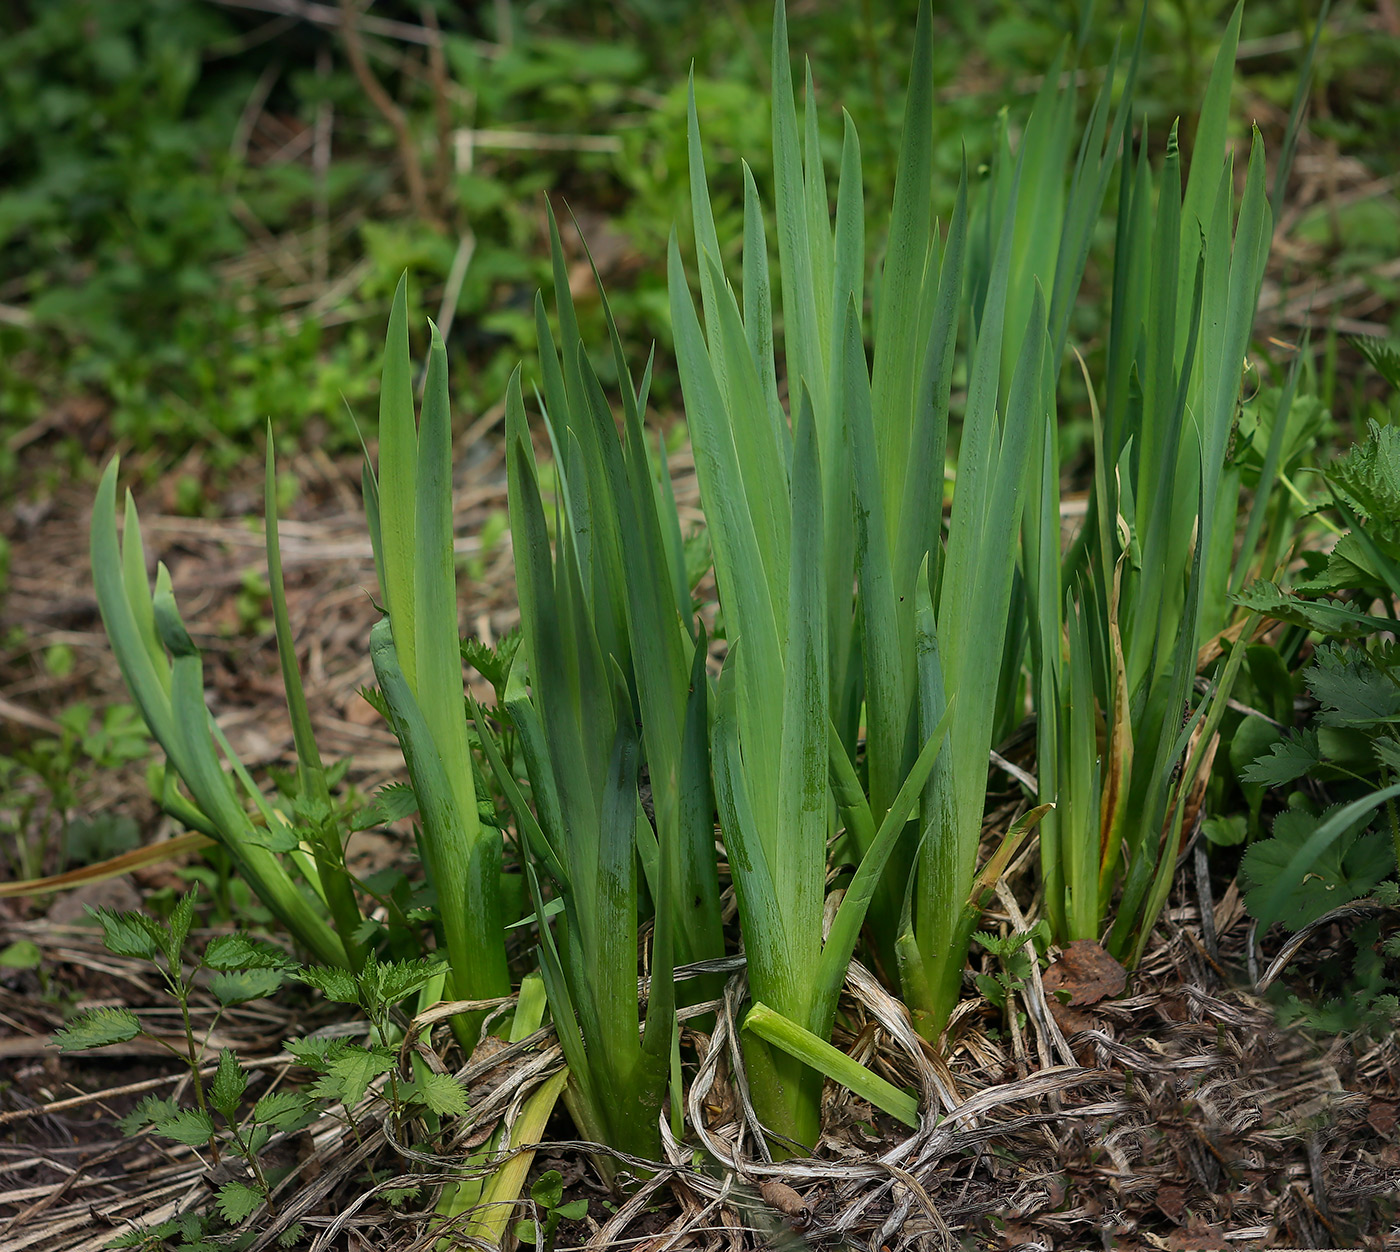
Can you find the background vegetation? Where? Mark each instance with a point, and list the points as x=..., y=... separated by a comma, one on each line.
x=205, y=206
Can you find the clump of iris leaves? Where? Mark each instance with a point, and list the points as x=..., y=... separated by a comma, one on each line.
x=879, y=594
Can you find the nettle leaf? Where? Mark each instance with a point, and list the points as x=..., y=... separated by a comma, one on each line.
x=239, y=986
x=97, y=1029
x=230, y=1082
x=312, y=812
x=493, y=664
x=1351, y=689
x=281, y=1109
x=238, y=1201
x=1369, y=475
x=390, y=804
x=181, y=919
x=441, y=1093
x=151, y=1109
x=391, y=982
x=1384, y=356
x=375, y=699
x=318, y=1051
x=348, y=1077
x=1287, y=760
x=334, y=983
x=276, y=838
x=130, y=934
x=146, y=1236
x=1332, y=617
x=188, y=1126
x=240, y=951
x=1346, y=870
x=192, y=1227
x=1387, y=752
x=1351, y=566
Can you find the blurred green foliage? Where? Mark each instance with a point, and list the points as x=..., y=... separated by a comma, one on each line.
x=202, y=212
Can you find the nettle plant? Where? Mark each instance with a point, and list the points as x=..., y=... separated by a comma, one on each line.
x=1337, y=838
x=219, y=1120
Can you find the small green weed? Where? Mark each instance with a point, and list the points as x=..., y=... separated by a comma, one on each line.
x=547, y=1193
x=43, y=782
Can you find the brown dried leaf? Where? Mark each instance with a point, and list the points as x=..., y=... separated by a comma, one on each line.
x=1015, y=1236
x=1380, y=1116
x=783, y=1198
x=1171, y=1200
x=1199, y=1236
x=1087, y=972
x=1072, y=1020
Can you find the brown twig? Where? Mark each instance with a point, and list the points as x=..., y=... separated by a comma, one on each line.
x=442, y=114
x=388, y=107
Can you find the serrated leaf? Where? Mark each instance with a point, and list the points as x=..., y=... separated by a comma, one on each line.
x=181, y=918
x=232, y=987
x=1384, y=356
x=230, y=1082
x=276, y=838
x=334, y=984
x=151, y=1109
x=493, y=664
x=1345, y=870
x=130, y=934
x=192, y=1227
x=441, y=1093
x=1332, y=617
x=390, y=982
x=280, y=1109
x=348, y=1076
x=1387, y=752
x=1368, y=476
x=390, y=804
x=188, y=1126
x=146, y=1236
x=238, y=1201
x=375, y=699
x=290, y=1237
x=1351, y=689
x=1288, y=759
x=97, y=1029
x=240, y=951
x=317, y=1051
